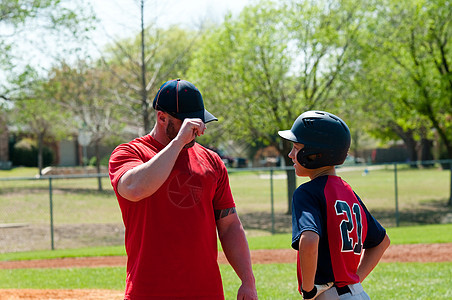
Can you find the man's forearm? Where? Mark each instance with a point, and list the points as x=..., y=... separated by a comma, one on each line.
x=236, y=250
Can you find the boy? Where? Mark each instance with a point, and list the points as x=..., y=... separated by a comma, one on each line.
x=338, y=241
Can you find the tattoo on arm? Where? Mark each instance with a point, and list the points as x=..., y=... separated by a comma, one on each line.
x=221, y=213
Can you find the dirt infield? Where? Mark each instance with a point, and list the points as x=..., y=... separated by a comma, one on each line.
x=395, y=253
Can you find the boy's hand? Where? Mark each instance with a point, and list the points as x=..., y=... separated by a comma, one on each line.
x=316, y=291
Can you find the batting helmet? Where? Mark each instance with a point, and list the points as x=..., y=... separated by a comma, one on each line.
x=323, y=134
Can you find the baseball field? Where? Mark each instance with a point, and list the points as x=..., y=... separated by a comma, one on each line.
x=418, y=264
x=409, y=270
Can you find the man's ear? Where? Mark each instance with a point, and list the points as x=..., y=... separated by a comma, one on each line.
x=162, y=117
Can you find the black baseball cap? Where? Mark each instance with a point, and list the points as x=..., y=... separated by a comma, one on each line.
x=181, y=99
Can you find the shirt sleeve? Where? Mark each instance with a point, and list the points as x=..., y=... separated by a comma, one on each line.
x=375, y=232
x=223, y=196
x=122, y=159
x=306, y=215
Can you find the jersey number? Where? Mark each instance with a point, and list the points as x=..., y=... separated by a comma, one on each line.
x=348, y=225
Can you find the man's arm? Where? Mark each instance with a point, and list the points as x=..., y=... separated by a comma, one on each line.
x=371, y=257
x=235, y=247
x=145, y=179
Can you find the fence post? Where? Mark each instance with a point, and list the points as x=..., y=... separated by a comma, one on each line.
x=396, y=195
x=271, y=200
x=51, y=214
x=450, y=195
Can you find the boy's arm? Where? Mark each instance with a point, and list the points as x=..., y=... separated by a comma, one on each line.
x=371, y=257
x=308, y=251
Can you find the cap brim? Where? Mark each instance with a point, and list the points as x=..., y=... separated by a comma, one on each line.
x=288, y=135
x=204, y=115
x=208, y=117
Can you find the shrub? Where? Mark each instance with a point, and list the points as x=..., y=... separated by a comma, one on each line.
x=25, y=153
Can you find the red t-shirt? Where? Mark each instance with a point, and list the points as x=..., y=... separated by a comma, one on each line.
x=170, y=237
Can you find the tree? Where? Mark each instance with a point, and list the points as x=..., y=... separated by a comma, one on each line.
x=142, y=63
x=35, y=115
x=86, y=92
x=270, y=64
x=378, y=100
x=20, y=20
x=413, y=38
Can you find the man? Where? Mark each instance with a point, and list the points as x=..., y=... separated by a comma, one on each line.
x=174, y=196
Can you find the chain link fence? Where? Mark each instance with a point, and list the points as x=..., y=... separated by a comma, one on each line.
x=75, y=211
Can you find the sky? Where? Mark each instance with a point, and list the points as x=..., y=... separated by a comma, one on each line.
x=121, y=18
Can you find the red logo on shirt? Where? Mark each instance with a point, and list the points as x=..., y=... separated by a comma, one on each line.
x=185, y=190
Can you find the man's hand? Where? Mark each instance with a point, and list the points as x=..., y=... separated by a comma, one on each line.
x=316, y=291
x=190, y=129
x=247, y=292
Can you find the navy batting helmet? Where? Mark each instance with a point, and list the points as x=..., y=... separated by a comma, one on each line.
x=323, y=134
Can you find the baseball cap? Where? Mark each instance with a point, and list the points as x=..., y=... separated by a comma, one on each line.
x=181, y=99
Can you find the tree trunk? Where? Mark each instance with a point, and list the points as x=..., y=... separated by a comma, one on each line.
x=144, y=94
x=408, y=139
x=426, y=151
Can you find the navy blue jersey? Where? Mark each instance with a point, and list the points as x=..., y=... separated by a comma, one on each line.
x=328, y=206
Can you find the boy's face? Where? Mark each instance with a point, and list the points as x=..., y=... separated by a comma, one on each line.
x=299, y=169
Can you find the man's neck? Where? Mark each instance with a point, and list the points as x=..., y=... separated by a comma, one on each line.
x=160, y=136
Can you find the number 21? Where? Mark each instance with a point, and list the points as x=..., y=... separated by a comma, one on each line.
x=348, y=225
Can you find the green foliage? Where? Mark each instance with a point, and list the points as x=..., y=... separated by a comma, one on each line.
x=403, y=79
x=262, y=69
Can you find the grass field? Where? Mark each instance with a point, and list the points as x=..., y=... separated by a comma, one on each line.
x=274, y=281
x=423, y=195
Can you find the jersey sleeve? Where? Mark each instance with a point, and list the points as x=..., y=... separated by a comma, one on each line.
x=375, y=232
x=306, y=215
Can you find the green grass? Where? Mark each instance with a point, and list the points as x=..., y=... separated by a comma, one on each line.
x=70, y=278
x=274, y=281
x=427, y=234
x=415, y=186
x=399, y=235
x=28, y=201
x=19, y=172
x=49, y=254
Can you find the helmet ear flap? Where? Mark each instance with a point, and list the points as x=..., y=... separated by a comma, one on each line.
x=309, y=161
x=300, y=158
